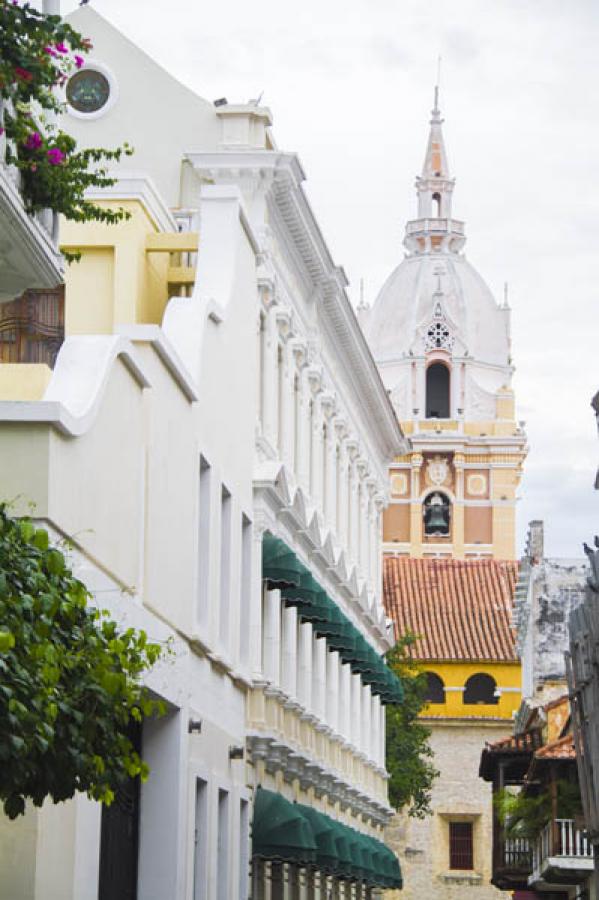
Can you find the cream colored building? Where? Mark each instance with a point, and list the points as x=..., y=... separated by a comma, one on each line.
x=214, y=438
x=442, y=345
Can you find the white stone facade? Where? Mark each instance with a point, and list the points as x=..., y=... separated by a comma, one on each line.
x=165, y=452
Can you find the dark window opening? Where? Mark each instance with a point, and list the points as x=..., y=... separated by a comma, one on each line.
x=437, y=515
x=481, y=689
x=437, y=391
x=461, y=849
x=119, y=836
x=437, y=206
x=435, y=689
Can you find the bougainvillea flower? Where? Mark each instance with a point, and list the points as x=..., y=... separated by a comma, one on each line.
x=33, y=167
x=79, y=61
x=50, y=51
x=34, y=141
x=55, y=156
x=61, y=48
x=23, y=74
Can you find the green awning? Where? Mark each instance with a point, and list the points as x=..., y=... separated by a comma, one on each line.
x=327, y=855
x=300, y=834
x=282, y=569
x=280, y=565
x=280, y=832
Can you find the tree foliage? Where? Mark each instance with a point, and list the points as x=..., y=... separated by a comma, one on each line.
x=37, y=55
x=69, y=679
x=523, y=815
x=409, y=756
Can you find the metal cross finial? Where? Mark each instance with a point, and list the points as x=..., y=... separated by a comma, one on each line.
x=437, y=85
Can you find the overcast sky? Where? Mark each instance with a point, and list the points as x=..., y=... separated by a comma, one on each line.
x=350, y=85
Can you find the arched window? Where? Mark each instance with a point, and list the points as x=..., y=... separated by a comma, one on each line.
x=437, y=391
x=437, y=515
x=481, y=688
x=435, y=689
x=437, y=206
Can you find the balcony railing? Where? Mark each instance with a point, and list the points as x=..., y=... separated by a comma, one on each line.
x=562, y=854
x=512, y=862
x=435, y=226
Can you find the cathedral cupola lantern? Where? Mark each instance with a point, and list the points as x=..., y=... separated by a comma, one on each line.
x=434, y=229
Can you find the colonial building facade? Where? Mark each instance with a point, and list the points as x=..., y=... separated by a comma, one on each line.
x=442, y=344
x=214, y=440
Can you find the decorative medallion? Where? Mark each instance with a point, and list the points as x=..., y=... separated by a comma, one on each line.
x=399, y=483
x=437, y=471
x=476, y=484
x=88, y=91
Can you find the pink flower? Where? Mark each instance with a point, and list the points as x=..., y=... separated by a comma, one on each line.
x=34, y=141
x=55, y=156
x=1, y=131
x=33, y=167
x=61, y=48
x=23, y=74
x=79, y=61
x=50, y=51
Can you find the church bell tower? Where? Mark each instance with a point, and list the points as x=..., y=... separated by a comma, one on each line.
x=442, y=344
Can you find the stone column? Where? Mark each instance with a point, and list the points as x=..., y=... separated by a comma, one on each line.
x=272, y=636
x=366, y=720
x=289, y=652
x=270, y=374
x=333, y=690
x=287, y=412
x=304, y=433
x=356, y=711
x=304, y=687
x=319, y=682
x=416, y=530
x=457, y=526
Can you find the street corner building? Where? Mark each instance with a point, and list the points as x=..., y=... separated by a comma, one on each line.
x=442, y=345
x=195, y=407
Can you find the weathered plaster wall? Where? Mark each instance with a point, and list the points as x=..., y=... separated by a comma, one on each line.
x=459, y=795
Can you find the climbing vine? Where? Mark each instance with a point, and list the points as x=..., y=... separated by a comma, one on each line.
x=70, y=680
x=37, y=55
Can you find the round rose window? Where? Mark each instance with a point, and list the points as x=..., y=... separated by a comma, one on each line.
x=88, y=91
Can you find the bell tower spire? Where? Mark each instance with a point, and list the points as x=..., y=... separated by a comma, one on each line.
x=435, y=230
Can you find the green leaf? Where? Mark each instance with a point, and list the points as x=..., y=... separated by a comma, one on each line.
x=7, y=641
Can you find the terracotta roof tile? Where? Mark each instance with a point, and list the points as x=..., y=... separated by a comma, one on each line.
x=560, y=749
x=461, y=609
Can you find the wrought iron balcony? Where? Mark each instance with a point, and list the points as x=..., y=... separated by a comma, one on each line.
x=29, y=254
x=562, y=855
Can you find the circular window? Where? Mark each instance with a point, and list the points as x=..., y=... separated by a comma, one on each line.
x=88, y=91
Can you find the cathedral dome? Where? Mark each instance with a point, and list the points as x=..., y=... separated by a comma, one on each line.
x=410, y=300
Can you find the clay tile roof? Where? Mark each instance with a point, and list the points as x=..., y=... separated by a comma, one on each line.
x=516, y=743
x=461, y=609
x=561, y=749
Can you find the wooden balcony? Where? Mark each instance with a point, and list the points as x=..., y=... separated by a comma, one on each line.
x=32, y=327
x=512, y=863
x=562, y=855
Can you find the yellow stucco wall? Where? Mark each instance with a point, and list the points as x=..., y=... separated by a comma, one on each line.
x=456, y=674
x=116, y=282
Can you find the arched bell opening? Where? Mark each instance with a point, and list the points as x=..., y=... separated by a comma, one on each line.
x=436, y=512
x=438, y=381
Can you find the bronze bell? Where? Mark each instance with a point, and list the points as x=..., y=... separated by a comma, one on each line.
x=437, y=518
